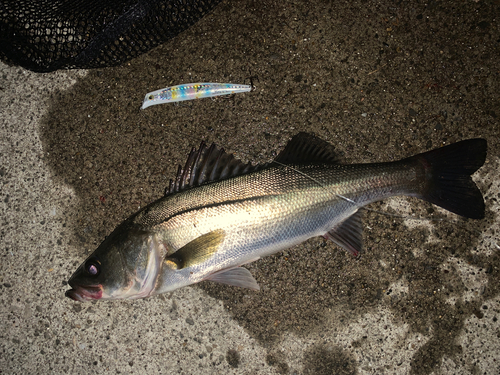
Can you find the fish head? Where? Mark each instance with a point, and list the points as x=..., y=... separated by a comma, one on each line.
x=124, y=266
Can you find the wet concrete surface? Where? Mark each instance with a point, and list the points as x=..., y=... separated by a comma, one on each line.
x=379, y=80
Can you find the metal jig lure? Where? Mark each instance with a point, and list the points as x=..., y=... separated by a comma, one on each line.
x=190, y=91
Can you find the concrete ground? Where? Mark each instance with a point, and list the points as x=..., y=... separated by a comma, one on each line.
x=380, y=80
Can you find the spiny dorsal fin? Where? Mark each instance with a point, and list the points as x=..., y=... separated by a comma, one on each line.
x=198, y=250
x=205, y=165
x=213, y=164
x=307, y=148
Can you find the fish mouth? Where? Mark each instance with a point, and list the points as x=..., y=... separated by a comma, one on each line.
x=84, y=293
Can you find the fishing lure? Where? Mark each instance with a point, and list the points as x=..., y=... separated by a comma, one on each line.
x=190, y=91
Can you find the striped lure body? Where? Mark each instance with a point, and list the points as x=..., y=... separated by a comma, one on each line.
x=190, y=91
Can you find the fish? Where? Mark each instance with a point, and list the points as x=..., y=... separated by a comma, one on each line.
x=219, y=213
x=191, y=91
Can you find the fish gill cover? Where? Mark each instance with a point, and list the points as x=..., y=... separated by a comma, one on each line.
x=46, y=35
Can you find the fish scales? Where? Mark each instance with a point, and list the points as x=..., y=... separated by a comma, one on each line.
x=207, y=230
x=273, y=209
x=276, y=194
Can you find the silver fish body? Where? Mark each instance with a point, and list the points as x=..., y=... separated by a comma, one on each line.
x=220, y=214
x=267, y=211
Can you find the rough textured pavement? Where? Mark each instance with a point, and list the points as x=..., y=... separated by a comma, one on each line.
x=380, y=80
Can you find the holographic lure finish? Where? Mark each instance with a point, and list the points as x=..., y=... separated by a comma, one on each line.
x=190, y=91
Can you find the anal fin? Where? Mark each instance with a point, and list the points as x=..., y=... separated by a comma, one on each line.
x=348, y=234
x=237, y=276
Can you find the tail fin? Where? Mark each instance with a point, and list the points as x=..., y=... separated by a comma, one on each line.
x=448, y=170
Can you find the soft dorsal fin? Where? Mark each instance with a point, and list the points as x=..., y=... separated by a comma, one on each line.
x=205, y=165
x=198, y=250
x=307, y=148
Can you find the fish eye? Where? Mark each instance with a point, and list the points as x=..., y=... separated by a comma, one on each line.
x=92, y=266
x=151, y=97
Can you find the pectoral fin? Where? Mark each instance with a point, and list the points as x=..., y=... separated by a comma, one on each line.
x=238, y=276
x=198, y=250
x=348, y=234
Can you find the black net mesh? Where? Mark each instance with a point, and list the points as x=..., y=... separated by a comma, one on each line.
x=45, y=35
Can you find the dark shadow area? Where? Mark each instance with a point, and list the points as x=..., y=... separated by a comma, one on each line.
x=328, y=360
